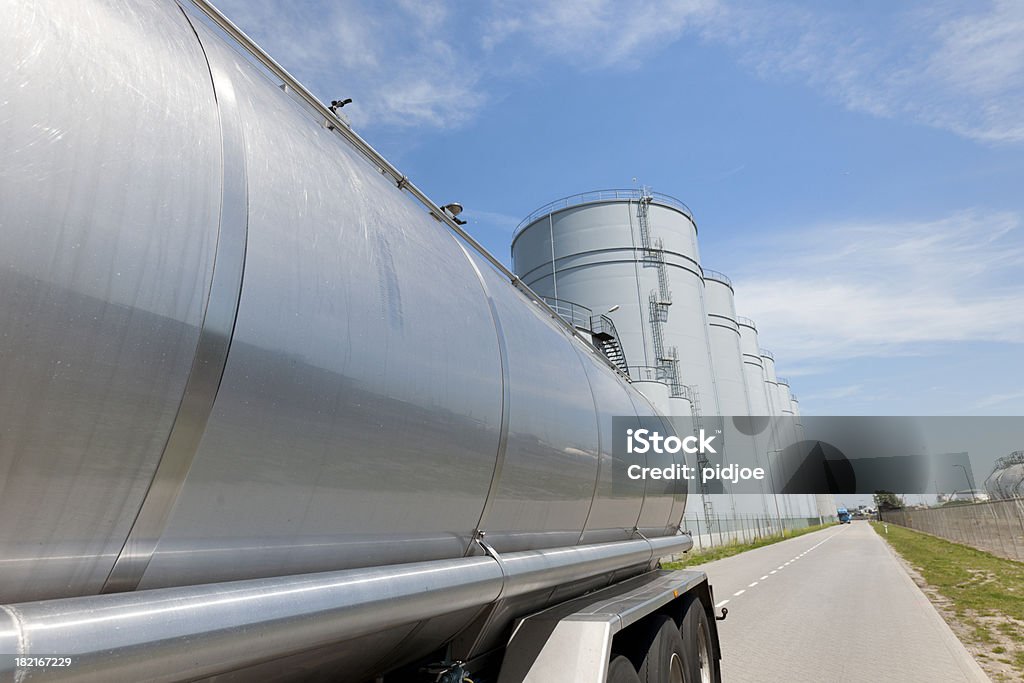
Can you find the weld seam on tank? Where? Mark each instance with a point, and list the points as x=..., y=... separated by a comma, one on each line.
x=212, y=349
x=597, y=473
x=499, y=460
x=685, y=262
x=12, y=637
x=195, y=631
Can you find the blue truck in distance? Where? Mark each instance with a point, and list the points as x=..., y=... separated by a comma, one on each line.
x=844, y=515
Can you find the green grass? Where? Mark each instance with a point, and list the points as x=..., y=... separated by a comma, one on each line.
x=986, y=592
x=696, y=557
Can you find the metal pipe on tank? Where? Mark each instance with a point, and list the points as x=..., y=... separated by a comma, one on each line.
x=192, y=632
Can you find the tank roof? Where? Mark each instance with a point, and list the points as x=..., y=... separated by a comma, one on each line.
x=718, y=277
x=598, y=196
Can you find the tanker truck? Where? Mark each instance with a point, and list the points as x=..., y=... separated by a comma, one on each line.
x=268, y=412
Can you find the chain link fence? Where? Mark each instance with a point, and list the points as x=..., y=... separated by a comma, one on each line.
x=995, y=526
x=726, y=530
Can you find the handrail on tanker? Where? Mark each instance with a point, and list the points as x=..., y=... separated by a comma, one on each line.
x=385, y=166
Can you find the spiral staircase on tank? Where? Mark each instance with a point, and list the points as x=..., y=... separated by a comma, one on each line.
x=600, y=328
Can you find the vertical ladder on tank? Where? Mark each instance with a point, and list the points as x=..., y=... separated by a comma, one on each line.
x=660, y=299
x=702, y=459
x=653, y=250
x=656, y=256
x=643, y=218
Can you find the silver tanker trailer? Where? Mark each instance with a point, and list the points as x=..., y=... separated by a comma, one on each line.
x=268, y=413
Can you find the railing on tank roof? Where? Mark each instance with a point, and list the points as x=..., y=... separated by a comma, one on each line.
x=576, y=314
x=599, y=196
x=1014, y=458
x=746, y=321
x=717, y=276
x=782, y=380
x=765, y=353
x=659, y=373
x=341, y=126
x=645, y=373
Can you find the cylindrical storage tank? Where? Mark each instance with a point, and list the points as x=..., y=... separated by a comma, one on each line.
x=760, y=405
x=632, y=252
x=771, y=382
x=785, y=396
x=369, y=393
x=726, y=352
x=657, y=393
x=680, y=406
x=753, y=369
x=1007, y=477
x=805, y=504
x=681, y=410
x=820, y=505
x=727, y=359
x=793, y=505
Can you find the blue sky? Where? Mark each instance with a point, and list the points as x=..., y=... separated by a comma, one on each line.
x=856, y=168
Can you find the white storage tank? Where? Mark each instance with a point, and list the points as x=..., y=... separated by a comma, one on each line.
x=727, y=358
x=631, y=254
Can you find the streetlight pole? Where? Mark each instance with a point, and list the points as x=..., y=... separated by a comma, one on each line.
x=970, y=486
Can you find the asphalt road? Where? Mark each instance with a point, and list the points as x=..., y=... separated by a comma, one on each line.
x=834, y=605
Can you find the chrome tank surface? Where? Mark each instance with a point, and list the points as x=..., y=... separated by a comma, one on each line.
x=232, y=349
x=110, y=192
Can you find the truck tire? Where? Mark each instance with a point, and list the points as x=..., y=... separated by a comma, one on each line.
x=664, y=660
x=621, y=671
x=699, y=660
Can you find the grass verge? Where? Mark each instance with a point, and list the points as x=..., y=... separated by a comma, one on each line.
x=981, y=596
x=695, y=557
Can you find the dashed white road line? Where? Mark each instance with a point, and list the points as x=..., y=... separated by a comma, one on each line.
x=782, y=566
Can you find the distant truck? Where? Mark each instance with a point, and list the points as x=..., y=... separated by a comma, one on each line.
x=844, y=515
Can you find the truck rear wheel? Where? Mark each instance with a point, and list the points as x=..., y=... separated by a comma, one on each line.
x=621, y=671
x=663, y=657
x=699, y=661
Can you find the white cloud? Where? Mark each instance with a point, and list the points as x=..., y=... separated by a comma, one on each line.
x=959, y=72
x=999, y=400
x=594, y=33
x=396, y=60
x=433, y=63
x=888, y=288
